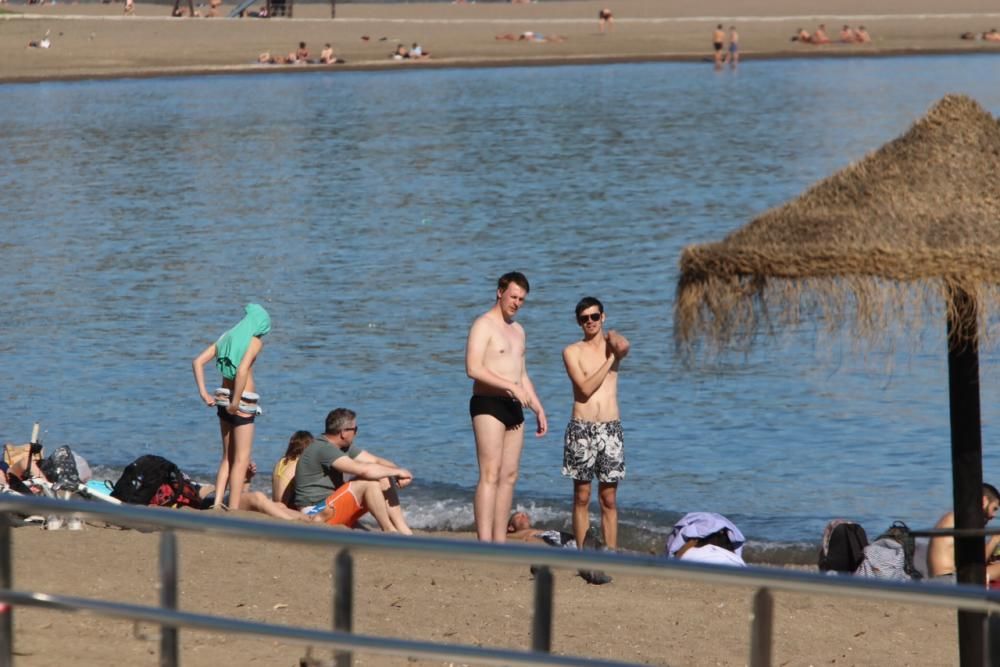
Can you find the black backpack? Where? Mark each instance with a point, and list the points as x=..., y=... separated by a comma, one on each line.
x=843, y=546
x=142, y=478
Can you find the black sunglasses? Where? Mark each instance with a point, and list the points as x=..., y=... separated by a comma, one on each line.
x=353, y=428
x=593, y=317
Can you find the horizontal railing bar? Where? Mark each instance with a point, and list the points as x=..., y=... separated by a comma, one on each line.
x=971, y=598
x=955, y=532
x=292, y=634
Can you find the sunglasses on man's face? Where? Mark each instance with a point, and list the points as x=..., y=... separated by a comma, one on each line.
x=353, y=428
x=593, y=317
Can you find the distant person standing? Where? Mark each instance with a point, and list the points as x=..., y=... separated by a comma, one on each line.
x=501, y=388
x=605, y=20
x=718, y=41
x=733, y=57
x=594, y=441
x=235, y=401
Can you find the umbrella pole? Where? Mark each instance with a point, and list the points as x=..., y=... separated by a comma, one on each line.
x=966, y=465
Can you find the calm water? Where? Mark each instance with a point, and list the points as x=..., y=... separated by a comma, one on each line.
x=372, y=212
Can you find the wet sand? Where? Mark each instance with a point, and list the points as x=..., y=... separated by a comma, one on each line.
x=638, y=619
x=96, y=40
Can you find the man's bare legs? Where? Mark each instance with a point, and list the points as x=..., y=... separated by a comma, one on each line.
x=607, y=494
x=581, y=511
x=499, y=453
x=371, y=498
x=393, y=507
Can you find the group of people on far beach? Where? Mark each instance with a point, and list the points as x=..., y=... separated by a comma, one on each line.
x=330, y=479
x=308, y=482
x=726, y=54
x=848, y=35
x=300, y=56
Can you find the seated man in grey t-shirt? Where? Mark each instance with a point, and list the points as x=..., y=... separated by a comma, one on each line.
x=320, y=487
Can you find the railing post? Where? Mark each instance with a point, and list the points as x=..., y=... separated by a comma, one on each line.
x=762, y=628
x=541, y=631
x=343, y=601
x=169, y=654
x=993, y=640
x=6, y=583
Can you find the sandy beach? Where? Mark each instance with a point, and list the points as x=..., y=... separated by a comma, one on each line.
x=645, y=620
x=96, y=40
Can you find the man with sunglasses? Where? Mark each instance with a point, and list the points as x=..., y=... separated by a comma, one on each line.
x=501, y=388
x=594, y=443
x=320, y=487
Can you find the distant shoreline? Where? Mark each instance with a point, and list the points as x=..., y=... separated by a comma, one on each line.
x=95, y=41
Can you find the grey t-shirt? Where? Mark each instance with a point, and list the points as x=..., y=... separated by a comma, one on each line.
x=315, y=476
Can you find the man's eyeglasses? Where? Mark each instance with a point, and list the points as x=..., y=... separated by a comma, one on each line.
x=353, y=428
x=593, y=317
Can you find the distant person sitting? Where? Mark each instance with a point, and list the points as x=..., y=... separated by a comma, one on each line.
x=401, y=52
x=820, y=36
x=941, y=552
x=991, y=35
x=847, y=35
x=417, y=52
x=301, y=55
x=605, y=20
x=320, y=486
x=802, y=35
x=861, y=35
x=706, y=537
x=326, y=56
x=283, y=475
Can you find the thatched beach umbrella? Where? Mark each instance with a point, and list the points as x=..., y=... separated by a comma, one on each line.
x=910, y=228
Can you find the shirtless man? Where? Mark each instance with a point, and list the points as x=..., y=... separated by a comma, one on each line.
x=718, y=39
x=494, y=359
x=594, y=440
x=733, y=57
x=941, y=552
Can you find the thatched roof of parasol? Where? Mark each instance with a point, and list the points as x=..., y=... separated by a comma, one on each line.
x=880, y=240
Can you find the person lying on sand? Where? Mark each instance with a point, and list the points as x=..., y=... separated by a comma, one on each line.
x=519, y=529
x=530, y=36
x=706, y=537
x=991, y=35
x=256, y=501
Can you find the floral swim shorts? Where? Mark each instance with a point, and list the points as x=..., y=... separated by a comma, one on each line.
x=594, y=449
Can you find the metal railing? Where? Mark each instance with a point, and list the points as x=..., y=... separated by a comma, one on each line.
x=345, y=642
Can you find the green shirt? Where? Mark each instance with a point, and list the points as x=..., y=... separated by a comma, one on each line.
x=315, y=476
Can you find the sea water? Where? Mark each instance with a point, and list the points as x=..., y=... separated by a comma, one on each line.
x=371, y=214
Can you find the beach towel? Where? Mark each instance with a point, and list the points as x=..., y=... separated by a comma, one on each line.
x=233, y=344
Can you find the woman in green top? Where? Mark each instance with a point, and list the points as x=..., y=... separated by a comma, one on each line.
x=234, y=353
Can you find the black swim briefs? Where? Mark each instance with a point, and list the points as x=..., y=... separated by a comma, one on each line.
x=235, y=420
x=506, y=409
